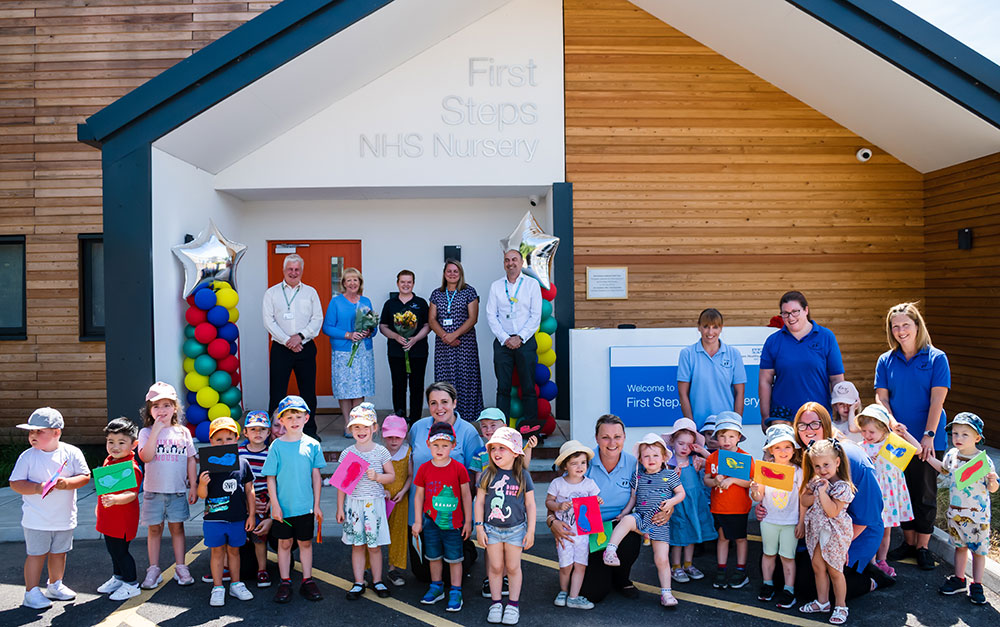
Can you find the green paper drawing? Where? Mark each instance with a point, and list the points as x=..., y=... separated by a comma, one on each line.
x=114, y=478
x=972, y=471
x=600, y=539
x=445, y=504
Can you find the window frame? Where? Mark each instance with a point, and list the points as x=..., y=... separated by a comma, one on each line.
x=14, y=334
x=88, y=331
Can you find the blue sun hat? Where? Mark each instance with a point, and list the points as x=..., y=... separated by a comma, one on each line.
x=729, y=420
x=969, y=419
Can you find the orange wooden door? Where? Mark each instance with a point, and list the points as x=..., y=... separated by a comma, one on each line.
x=325, y=261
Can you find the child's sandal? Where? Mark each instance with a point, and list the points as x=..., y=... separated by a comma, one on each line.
x=839, y=616
x=815, y=607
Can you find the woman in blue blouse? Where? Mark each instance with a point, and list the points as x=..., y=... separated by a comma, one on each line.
x=351, y=384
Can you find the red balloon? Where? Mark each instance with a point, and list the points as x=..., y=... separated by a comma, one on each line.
x=229, y=363
x=190, y=300
x=194, y=316
x=235, y=376
x=191, y=428
x=218, y=348
x=550, y=293
x=205, y=332
x=544, y=408
x=515, y=380
x=549, y=425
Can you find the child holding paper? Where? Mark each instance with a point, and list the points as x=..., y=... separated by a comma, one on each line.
x=118, y=512
x=508, y=527
x=397, y=492
x=874, y=425
x=362, y=511
x=691, y=523
x=574, y=552
x=257, y=428
x=47, y=476
x=782, y=526
x=969, y=506
x=730, y=500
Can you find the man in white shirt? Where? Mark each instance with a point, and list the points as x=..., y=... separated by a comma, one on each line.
x=514, y=310
x=293, y=316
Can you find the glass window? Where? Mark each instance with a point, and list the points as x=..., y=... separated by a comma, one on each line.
x=13, y=306
x=91, y=287
x=336, y=272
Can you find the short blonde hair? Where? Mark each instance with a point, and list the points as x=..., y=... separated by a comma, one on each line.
x=910, y=311
x=353, y=272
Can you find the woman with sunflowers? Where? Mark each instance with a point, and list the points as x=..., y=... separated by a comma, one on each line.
x=404, y=323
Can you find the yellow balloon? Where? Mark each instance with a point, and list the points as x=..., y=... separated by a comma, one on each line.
x=208, y=397
x=188, y=364
x=234, y=314
x=218, y=411
x=220, y=285
x=194, y=381
x=544, y=341
x=227, y=297
x=548, y=357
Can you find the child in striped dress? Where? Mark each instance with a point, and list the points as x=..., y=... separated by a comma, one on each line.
x=257, y=428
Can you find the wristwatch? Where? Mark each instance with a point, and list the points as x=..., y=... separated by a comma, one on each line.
x=929, y=434
x=478, y=523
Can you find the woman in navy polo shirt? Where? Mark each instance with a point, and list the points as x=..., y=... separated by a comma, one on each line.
x=800, y=363
x=911, y=381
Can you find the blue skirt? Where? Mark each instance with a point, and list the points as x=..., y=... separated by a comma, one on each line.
x=692, y=519
x=356, y=381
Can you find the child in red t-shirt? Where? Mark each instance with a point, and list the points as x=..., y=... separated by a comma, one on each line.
x=118, y=512
x=730, y=502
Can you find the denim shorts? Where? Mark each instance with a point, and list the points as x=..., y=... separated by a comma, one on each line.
x=159, y=506
x=441, y=543
x=224, y=533
x=506, y=535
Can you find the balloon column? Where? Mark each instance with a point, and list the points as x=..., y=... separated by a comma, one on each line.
x=538, y=250
x=211, y=337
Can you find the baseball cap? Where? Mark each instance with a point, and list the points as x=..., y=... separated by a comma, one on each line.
x=845, y=392
x=290, y=402
x=510, y=438
x=364, y=415
x=394, y=426
x=492, y=413
x=441, y=431
x=257, y=418
x=223, y=423
x=964, y=418
x=161, y=390
x=43, y=418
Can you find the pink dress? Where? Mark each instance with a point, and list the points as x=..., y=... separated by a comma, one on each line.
x=832, y=534
x=896, y=506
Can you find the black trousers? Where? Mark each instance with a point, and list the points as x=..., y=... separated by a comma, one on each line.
x=283, y=362
x=415, y=380
x=524, y=359
x=921, y=481
x=600, y=578
x=121, y=560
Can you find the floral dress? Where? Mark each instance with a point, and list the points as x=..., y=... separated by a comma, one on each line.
x=833, y=535
x=458, y=365
x=365, y=521
x=896, y=506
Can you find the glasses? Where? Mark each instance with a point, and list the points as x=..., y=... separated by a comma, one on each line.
x=791, y=314
x=815, y=426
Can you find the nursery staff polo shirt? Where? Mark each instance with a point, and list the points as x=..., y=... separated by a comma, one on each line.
x=616, y=486
x=711, y=378
x=865, y=509
x=802, y=368
x=909, y=384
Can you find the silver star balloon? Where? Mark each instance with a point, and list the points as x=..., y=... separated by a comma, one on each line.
x=537, y=247
x=209, y=257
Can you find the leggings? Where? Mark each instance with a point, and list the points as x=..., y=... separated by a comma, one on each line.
x=121, y=560
x=921, y=481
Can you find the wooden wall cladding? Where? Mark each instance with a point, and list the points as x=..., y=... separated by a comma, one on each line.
x=717, y=189
x=61, y=61
x=963, y=286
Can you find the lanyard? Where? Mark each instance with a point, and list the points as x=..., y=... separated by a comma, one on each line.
x=288, y=303
x=516, y=290
x=450, y=295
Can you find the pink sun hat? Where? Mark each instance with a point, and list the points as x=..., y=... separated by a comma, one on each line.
x=683, y=424
x=394, y=427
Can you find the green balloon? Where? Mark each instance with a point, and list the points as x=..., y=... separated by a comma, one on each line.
x=236, y=413
x=189, y=332
x=231, y=397
x=515, y=392
x=546, y=309
x=548, y=325
x=515, y=408
x=204, y=364
x=193, y=348
x=220, y=381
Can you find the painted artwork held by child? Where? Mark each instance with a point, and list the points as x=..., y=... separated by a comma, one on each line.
x=349, y=472
x=224, y=458
x=735, y=465
x=587, y=511
x=115, y=478
x=897, y=451
x=600, y=539
x=972, y=471
x=772, y=475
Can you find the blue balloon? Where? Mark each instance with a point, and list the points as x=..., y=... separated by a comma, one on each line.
x=548, y=390
x=192, y=398
x=196, y=414
x=542, y=374
x=204, y=299
x=218, y=315
x=201, y=431
x=232, y=348
x=229, y=332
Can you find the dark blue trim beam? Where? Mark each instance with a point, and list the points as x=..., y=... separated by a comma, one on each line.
x=916, y=47
x=565, y=312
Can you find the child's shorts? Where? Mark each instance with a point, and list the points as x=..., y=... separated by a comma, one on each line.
x=573, y=550
x=37, y=542
x=298, y=527
x=506, y=535
x=967, y=532
x=222, y=533
x=158, y=507
x=441, y=543
x=733, y=526
x=778, y=539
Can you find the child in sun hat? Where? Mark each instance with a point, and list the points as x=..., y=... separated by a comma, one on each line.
x=574, y=552
x=730, y=502
x=846, y=403
x=397, y=493
x=691, y=523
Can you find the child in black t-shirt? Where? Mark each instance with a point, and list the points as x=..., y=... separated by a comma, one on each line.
x=229, y=513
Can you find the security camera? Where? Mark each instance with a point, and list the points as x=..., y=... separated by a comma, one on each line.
x=533, y=200
x=863, y=154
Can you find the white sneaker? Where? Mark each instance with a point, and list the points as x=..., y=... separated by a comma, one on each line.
x=511, y=615
x=239, y=590
x=110, y=585
x=125, y=591
x=496, y=613
x=182, y=575
x=58, y=591
x=154, y=577
x=35, y=599
x=218, y=596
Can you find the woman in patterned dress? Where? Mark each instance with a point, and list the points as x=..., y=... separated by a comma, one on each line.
x=454, y=311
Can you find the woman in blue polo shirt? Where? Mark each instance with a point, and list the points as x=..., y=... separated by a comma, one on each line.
x=911, y=381
x=710, y=375
x=799, y=363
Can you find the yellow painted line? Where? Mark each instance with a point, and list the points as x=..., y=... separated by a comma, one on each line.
x=127, y=612
x=389, y=602
x=788, y=619
x=754, y=538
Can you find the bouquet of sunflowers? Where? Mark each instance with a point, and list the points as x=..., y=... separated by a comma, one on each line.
x=405, y=323
x=364, y=320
